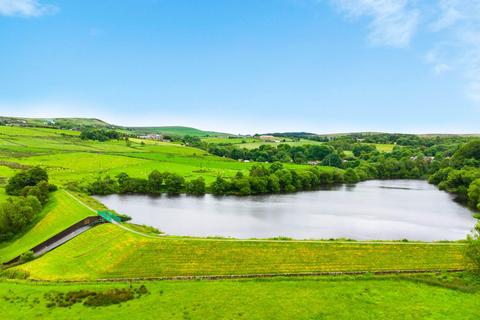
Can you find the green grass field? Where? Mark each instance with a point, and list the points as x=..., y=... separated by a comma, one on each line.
x=68, y=158
x=110, y=252
x=280, y=298
x=384, y=147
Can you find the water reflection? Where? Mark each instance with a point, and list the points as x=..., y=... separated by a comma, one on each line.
x=392, y=209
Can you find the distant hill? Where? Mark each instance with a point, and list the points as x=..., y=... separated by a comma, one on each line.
x=65, y=123
x=177, y=131
x=79, y=123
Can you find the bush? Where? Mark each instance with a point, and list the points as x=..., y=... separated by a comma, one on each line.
x=94, y=298
x=27, y=256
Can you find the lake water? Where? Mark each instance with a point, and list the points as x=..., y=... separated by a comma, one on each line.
x=383, y=210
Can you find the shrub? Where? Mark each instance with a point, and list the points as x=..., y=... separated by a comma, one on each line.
x=94, y=298
x=27, y=256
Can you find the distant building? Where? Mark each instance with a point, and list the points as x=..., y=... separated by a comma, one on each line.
x=313, y=163
x=152, y=136
x=267, y=138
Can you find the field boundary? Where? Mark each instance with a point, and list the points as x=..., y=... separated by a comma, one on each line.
x=251, y=276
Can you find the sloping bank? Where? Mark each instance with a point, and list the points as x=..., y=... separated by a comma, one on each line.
x=59, y=214
x=109, y=252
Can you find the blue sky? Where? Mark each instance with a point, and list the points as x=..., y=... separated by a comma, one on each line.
x=246, y=66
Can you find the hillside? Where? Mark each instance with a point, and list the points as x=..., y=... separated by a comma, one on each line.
x=78, y=123
x=176, y=131
x=68, y=158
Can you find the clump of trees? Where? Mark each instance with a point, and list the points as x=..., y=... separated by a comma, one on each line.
x=460, y=174
x=31, y=189
x=275, y=179
x=260, y=180
x=99, y=134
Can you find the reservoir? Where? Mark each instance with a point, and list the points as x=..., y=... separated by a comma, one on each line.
x=371, y=210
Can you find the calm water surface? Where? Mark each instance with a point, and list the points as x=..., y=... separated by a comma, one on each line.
x=388, y=210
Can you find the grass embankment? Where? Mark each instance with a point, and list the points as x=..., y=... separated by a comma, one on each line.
x=110, y=252
x=60, y=213
x=305, y=298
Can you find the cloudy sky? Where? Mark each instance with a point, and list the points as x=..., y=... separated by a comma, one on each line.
x=246, y=66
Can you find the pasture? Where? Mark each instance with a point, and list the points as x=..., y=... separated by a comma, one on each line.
x=362, y=298
x=67, y=158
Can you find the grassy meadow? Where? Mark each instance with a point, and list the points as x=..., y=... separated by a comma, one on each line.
x=67, y=158
x=280, y=298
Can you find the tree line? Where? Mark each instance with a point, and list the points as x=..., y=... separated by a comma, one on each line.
x=99, y=134
x=259, y=180
x=156, y=183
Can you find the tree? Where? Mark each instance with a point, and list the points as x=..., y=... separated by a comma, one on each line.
x=25, y=178
x=155, y=181
x=474, y=194
x=196, y=186
x=473, y=249
x=220, y=186
x=174, y=183
x=18, y=213
x=469, y=150
x=274, y=167
x=333, y=160
x=103, y=186
x=41, y=191
x=350, y=176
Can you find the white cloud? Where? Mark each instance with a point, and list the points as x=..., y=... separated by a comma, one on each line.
x=453, y=24
x=393, y=22
x=25, y=8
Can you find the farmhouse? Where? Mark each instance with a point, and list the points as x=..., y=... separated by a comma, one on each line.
x=152, y=136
